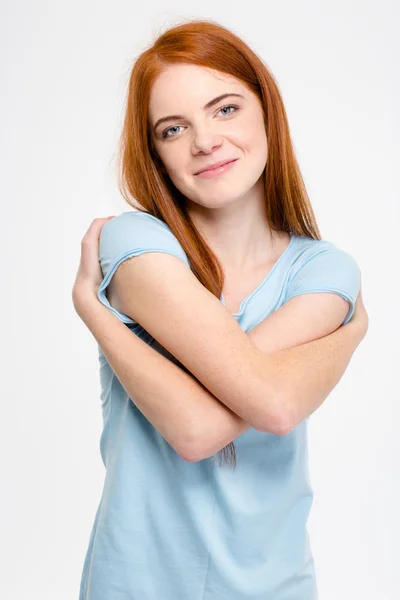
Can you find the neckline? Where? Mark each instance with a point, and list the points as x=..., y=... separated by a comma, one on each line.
x=244, y=302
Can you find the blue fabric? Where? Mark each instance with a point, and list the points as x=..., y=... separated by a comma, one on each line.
x=168, y=529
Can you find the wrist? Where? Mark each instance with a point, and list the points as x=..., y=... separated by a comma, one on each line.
x=84, y=297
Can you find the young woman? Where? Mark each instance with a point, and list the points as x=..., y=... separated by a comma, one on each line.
x=214, y=330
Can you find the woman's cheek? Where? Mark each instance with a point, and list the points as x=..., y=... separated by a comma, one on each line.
x=178, y=163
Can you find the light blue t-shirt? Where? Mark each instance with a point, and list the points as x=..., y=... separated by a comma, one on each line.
x=169, y=529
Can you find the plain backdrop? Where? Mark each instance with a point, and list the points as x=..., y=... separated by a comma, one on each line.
x=64, y=72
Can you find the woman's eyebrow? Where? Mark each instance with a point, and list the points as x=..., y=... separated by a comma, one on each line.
x=207, y=106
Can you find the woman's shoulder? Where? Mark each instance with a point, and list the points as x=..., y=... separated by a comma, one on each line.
x=137, y=231
x=306, y=248
x=138, y=223
x=321, y=256
x=132, y=217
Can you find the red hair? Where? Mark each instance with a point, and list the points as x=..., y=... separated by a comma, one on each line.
x=143, y=181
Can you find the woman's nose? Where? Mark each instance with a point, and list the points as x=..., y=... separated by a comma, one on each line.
x=206, y=140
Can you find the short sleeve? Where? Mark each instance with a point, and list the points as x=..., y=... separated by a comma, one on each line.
x=130, y=234
x=323, y=267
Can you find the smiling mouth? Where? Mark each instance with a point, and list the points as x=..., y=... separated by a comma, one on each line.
x=213, y=172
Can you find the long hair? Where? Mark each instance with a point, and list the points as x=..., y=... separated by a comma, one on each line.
x=143, y=181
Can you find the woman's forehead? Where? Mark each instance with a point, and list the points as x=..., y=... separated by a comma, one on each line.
x=181, y=85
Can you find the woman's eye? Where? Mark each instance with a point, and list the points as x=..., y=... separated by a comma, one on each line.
x=229, y=106
x=164, y=133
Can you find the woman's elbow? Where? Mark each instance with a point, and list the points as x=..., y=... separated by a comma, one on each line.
x=276, y=417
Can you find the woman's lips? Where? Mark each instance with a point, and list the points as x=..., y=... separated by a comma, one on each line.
x=212, y=173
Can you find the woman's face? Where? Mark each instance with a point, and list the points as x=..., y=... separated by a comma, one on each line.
x=198, y=136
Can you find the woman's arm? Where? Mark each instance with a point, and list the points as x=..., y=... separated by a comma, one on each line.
x=306, y=360
x=160, y=292
x=309, y=372
x=190, y=418
x=172, y=400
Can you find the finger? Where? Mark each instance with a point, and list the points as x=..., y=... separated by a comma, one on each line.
x=95, y=228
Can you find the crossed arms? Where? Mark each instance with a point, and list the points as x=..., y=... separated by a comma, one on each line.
x=270, y=379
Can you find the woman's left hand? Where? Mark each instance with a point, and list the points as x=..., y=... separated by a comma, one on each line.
x=89, y=275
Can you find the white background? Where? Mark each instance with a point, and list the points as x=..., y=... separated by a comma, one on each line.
x=64, y=71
